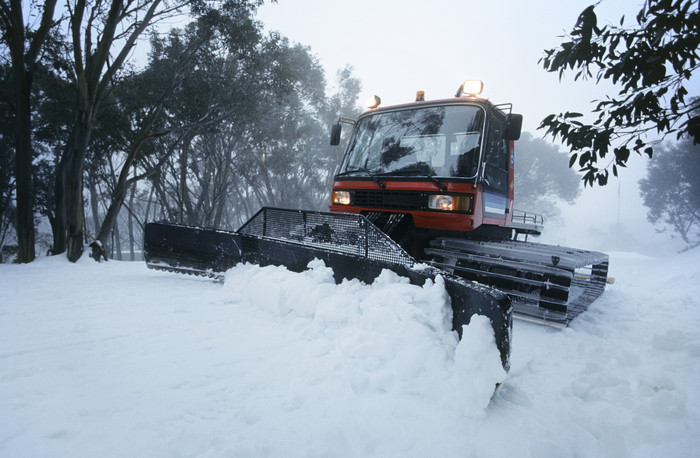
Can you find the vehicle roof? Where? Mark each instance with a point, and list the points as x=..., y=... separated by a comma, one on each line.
x=438, y=102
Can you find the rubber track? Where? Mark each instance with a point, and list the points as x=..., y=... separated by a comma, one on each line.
x=548, y=284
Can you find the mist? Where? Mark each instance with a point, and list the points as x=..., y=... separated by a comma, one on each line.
x=397, y=48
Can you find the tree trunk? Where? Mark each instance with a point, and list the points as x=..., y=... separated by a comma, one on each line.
x=148, y=206
x=188, y=214
x=23, y=165
x=118, y=196
x=68, y=232
x=165, y=206
x=23, y=65
x=117, y=242
x=22, y=81
x=94, y=207
x=130, y=222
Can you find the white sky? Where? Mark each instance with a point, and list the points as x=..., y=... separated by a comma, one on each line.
x=400, y=46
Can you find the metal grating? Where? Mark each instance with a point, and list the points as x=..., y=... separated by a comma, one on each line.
x=403, y=200
x=338, y=232
x=523, y=217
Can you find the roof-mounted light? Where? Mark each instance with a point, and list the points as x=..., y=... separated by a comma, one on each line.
x=470, y=88
x=373, y=101
x=420, y=96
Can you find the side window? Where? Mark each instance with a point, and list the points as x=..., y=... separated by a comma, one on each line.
x=496, y=167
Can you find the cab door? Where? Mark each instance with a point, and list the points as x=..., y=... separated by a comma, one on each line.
x=495, y=176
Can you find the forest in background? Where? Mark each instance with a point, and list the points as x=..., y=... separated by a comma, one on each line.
x=219, y=120
x=216, y=120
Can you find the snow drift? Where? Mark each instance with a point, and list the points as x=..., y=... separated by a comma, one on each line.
x=114, y=360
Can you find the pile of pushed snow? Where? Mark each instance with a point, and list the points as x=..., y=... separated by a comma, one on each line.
x=387, y=340
x=114, y=360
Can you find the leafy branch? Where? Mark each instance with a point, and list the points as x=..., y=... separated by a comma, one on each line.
x=651, y=63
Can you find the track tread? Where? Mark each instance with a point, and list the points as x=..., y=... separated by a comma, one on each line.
x=542, y=280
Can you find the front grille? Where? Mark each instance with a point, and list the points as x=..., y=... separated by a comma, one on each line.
x=400, y=200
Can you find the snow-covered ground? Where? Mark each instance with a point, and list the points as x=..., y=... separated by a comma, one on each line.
x=113, y=359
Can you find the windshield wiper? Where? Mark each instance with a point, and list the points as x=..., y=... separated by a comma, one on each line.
x=417, y=171
x=364, y=170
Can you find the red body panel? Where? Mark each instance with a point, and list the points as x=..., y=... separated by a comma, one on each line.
x=434, y=219
x=430, y=219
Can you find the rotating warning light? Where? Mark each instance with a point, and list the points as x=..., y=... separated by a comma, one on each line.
x=373, y=101
x=470, y=88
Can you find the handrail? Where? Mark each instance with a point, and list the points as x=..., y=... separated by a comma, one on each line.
x=520, y=216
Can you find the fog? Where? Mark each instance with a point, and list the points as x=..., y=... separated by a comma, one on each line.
x=399, y=47
x=612, y=218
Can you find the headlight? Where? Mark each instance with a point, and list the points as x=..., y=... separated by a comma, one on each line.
x=340, y=198
x=447, y=202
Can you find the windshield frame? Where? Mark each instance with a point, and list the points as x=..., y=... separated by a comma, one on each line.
x=414, y=169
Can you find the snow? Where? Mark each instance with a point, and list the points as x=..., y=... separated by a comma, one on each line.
x=113, y=359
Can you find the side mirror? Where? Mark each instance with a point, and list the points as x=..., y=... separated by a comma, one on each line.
x=514, y=125
x=335, y=134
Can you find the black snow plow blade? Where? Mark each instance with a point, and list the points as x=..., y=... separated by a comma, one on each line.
x=350, y=244
x=548, y=284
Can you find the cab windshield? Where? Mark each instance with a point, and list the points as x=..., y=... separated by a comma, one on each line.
x=442, y=141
